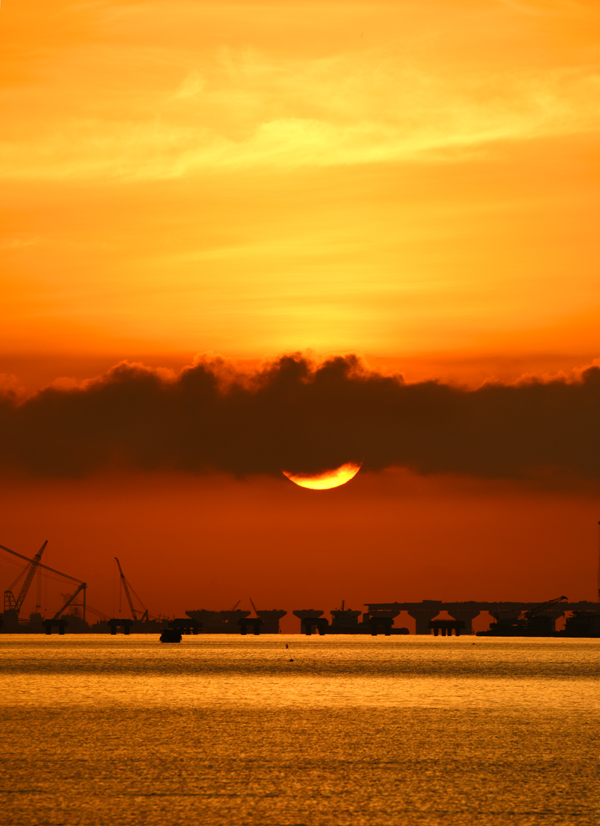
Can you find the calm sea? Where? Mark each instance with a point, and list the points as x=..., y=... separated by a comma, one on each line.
x=227, y=730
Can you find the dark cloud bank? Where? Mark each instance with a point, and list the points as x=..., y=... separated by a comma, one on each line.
x=305, y=417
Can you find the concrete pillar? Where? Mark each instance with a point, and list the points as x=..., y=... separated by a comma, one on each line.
x=243, y=629
x=61, y=629
x=48, y=629
x=423, y=617
x=256, y=629
x=466, y=614
x=545, y=621
x=126, y=629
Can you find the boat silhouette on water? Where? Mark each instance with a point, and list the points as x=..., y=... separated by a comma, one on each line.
x=170, y=635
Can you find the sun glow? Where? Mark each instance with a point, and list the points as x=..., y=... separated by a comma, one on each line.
x=325, y=481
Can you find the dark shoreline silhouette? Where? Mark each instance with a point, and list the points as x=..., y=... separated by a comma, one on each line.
x=510, y=619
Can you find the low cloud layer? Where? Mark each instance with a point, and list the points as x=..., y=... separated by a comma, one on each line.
x=305, y=417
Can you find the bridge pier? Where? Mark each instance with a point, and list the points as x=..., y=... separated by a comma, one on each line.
x=446, y=627
x=423, y=616
x=115, y=623
x=308, y=624
x=544, y=623
x=185, y=625
x=254, y=623
x=60, y=623
x=465, y=614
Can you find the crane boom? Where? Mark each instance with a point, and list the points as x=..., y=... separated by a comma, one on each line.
x=543, y=605
x=36, y=565
x=145, y=616
x=81, y=587
x=29, y=578
x=126, y=589
x=41, y=565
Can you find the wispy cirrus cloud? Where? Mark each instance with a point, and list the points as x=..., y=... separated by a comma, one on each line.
x=244, y=109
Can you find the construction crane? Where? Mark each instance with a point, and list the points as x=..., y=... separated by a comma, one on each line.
x=70, y=599
x=253, y=605
x=128, y=588
x=540, y=620
x=532, y=612
x=81, y=586
x=102, y=615
x=12, y=604
x=89, y=609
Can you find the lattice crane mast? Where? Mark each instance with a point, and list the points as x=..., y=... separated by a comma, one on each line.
x=128, y=591
x=12, y=604
x=35, y=565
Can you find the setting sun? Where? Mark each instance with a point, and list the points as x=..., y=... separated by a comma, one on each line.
x=325, y=481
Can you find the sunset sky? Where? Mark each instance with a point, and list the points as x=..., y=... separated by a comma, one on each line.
x=416, y=183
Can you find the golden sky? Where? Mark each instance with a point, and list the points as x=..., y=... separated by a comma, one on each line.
x=397, y=179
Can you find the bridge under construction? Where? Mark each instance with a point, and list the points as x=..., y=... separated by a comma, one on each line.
x=510, y=618
x=504, y=613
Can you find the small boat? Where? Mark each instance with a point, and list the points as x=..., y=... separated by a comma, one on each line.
x=170, y=635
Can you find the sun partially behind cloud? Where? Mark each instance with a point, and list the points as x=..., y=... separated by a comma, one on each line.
x=325, y=481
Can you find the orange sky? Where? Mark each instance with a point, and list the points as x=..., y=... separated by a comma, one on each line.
x=398, y=178
x=194, y=543
x=416, y=182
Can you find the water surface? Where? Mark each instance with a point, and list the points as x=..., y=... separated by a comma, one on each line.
x=363, y=731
